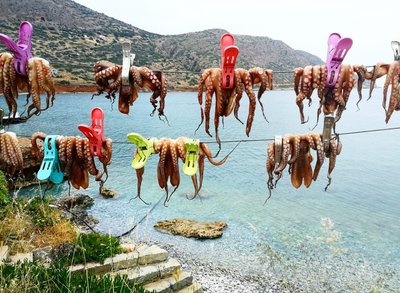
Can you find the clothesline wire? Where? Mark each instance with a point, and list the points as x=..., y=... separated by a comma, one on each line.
x=269, y=139
x=198, y=72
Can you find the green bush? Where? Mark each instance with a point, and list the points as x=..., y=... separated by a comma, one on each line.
x=4, y=195
x=32, y=277
x=95, y=247
x=38, y=208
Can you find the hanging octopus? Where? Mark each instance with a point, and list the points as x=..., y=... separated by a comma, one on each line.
x=392, y=72
x=331, y=99
x=257, y=76
x=75, y=158
x=170, y=151
x=39, y=79
x=11, y=159
x=109, y=80
x=296, y=152
x=227, y=100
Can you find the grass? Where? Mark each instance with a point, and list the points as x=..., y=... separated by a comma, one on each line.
x=32, y=277
x=31, y=223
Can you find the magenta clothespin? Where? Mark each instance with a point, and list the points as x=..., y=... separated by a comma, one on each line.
x=22, y=50
x=337, y=50
x=95, y=133
x=229, y=54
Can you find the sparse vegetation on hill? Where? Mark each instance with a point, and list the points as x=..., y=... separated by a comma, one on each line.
x=73, y=37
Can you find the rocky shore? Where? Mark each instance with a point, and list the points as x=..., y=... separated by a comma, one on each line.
x=218, y=279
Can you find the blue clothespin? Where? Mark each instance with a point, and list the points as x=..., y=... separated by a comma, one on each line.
x=50, y=167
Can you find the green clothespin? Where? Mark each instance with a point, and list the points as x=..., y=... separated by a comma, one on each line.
x=145, y=149
x=192, y=155
x=1, y=121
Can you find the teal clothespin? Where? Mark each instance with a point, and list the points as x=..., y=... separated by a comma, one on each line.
x=192, y=155
x=145, y=149
x=50, y=167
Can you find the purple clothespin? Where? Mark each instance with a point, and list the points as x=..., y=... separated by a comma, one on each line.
x=337, y=50
x=22, y=50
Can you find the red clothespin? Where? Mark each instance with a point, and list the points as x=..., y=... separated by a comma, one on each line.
x=229, y=54
x=95, y=133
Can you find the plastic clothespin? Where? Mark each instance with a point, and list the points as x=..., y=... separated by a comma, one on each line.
x=95, y=133
x=337, y=50
x=50, y=167
x=1, y=121
x=329, y=121
x=145, y=149
x=229, y=54
x=127, y=61
x=192, y=155
x=22, y=50
x=396, y=50
x=278, y=149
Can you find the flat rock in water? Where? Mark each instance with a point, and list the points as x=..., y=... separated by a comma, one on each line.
x=80, y=201
x=190, y=228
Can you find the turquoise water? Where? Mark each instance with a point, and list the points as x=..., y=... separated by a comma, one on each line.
x=345, y=238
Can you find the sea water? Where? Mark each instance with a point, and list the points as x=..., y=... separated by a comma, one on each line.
x=346, y=238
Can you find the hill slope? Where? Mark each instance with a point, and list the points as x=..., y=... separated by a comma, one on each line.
x=73, y=37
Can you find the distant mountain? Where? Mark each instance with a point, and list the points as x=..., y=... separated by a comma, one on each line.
x=73, y=37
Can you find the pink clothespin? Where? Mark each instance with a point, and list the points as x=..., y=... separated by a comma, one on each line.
x=95, y=133
x=337, y=50
x=229, y=54
x=22, y=50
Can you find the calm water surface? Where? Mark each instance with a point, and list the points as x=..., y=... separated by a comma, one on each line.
x=345, y=238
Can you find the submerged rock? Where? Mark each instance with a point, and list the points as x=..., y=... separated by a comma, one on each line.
x=73, y=208
x=108, y=193
x=191, y=228
x=80, y=201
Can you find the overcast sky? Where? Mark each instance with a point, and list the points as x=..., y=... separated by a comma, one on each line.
x=302, y=24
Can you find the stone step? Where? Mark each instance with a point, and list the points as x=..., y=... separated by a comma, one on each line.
x=194, y=288
x=4, y=252
x=172, y=283
x=149, y=273
x=21, y=257
x=143, y=255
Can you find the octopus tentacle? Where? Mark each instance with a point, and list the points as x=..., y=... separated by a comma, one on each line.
x=258, y=75
x=239, y=94
x=379, y=70
x=286, y=151
x=319, y=147
x=361, y=71
x=335, y=148
x=270, y=167
x=10, y=155
x=298, y=73
x=204, y=77
x=392, y=79
x=252, y=104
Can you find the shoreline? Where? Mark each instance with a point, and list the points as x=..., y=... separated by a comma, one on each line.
x=219, y=279
x=62, y=89
x=91, y=88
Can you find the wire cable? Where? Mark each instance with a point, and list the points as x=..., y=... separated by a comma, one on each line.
x=266, y=139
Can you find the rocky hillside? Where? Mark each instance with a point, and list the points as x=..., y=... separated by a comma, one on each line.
x=73, y=37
